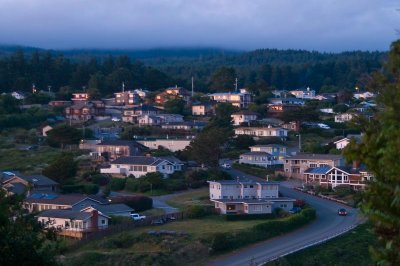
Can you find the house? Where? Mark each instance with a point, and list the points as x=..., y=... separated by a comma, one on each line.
x=45, y=129
x=327, y=97
x=170, y=118
x=60, y=103
x=286, y=101
x=79, y=97
x=18, y=95
x=293, y=126
x=342, y=143
x=345, y=117
x=113, y=149
x=279, y=152
x=148, y=120
x=115, y=209
x=170, y=144
x=173, y=93
x=363, y=95
x=330, y=177
x=84, y=111
x=141, y=92
x=258, y=158
x=247, y=197
x=276, y=110
x=73, y=223
x=203, y=109
x=262, y=132
x=89, y=144
x=243, y=117
x=126, y=98
x=240, y=99
x=131, y=115
x=51, y=201
x=304, y=94
x=141, y=165
x=296, y=165
x=14, y=183
x=184, y=126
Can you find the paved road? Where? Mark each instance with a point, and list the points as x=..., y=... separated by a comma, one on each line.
x=327, y=224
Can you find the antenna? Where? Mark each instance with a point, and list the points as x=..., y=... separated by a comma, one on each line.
x=192, y=87
x=123, y=86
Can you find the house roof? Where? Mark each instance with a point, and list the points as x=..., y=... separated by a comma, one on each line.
x=268, y=145
x=255, y=201
x=257, y=153
x=171, y=159
x=138, y=160
x=15, y=188
x=60, y=199
x=318, y=170
x=234, y=182
x=245, y=112
x=120, y=142
x=260, y=128
x=66, y=214
x=111, y=209
x=39, y=180
x=312, y=156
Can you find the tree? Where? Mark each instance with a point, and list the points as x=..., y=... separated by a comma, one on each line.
x=222, y=116
x=379, y=151
x=9, y=105
x=340, y=108
x=175, y=106
x=22, y=239
x=63, y=135
x=206, y=148
x=223, y=79
x=62, y=168
x=243, y=142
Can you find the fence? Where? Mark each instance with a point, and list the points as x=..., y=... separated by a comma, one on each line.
x=87, y=237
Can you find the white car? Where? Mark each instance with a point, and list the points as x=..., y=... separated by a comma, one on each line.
x=324, y=126
x=137, y=216
x=115, y=119
x=226, y=165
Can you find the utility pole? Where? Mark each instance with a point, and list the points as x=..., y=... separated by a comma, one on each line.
x=192, y=88
x=299, y=142
x=236, y=84
x=123, y=86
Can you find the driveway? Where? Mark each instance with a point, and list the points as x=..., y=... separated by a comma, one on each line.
x=159, y=202
x=328, y=224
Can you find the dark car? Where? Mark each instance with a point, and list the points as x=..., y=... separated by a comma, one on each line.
x=158, y=222
x=342, y=212
x=295, y=210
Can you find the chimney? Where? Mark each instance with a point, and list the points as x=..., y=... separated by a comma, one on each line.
x=95, y=220
x=356, y=165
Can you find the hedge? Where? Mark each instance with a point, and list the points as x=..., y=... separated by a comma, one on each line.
x=117, y=183
x=246, y=217
x=228, y=241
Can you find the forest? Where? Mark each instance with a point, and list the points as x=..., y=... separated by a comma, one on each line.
x=213, y=69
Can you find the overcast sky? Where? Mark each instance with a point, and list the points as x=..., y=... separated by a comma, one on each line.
x=324, y=25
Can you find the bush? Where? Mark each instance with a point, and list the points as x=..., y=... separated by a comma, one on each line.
x=195, y=211
x=272, y=228
x=117, y=183
x=343, y=191
x=72, y=189
x=100, y=179
x=90, y=189
x=175, y=185
x=246, y=217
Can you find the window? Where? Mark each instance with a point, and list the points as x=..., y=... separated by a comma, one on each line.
x=251, y=186
x=103, y=221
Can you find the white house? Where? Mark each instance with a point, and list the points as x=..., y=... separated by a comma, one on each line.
x=304, y=94
x=277, y=151
x=345, y=117
x=18, y=95
x=148, y=120
x=141, y=165
x=69, y=222
x=342, y=143
x=258, y=158
x=250, y=197
x=202, y=109
x=243, y=117
x=363, y=95
x=262, y=131
x=240, y=99
x=170, y=144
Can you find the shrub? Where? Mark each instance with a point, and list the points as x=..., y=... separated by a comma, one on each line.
x=90, y=189
x=343, y=190
x=221, y=242
x=72, y=189
x=246, y=217
x=117, y=183
x=175, y=185
x=100, y=179
x=195, y=211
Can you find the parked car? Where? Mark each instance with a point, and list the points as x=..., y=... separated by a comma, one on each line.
x=137, y=216
x=158, y=222
x=115, y=119
x=342, y=212
x=295, y=210
x=226, y=165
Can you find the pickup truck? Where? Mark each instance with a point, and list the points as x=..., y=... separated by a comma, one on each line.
x=137, y=216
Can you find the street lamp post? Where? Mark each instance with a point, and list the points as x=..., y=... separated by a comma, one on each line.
x=299, y=135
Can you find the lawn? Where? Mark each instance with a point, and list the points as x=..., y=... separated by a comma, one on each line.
x=348, y=249
x=196, y=197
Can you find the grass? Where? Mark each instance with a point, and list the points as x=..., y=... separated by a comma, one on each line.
x=256, y=171
x=153, y=212
x=197, y=197
x=348, y=249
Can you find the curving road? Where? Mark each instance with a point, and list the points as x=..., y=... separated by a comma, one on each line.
x=328, y=224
